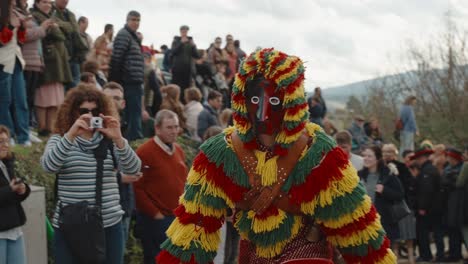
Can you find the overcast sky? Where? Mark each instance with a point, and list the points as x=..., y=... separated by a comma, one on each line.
x=340, y=41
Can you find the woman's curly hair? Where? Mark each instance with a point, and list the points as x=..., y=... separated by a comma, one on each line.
x=171, y=101
x=68, y=112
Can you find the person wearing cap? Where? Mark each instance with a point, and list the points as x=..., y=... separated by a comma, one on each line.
x=184, y=51
x=127, y=68
x=360, y=139
x=448, y=181
x=427, y=184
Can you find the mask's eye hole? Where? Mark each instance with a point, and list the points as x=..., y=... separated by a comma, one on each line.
x=275, y=101
x=255, y=100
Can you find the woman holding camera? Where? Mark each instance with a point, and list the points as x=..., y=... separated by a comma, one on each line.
x=12, y=192
x=70, y=155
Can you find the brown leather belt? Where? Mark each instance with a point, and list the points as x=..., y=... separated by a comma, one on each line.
x=260, y=197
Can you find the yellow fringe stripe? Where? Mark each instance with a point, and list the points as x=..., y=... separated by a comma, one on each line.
x=297, y=93
x=183, y=235
x=268, y=224
x=268, y=169
x=337, y=188
x=389, y=258
x=243, y=129
x=242, y=108
x=198, y=178
x=349, y=218
x=240, y=84
x=269, y=71
x=289, y=74
x=284, y=139
x=276, y=249
x=312, y=129
x=284, y=65
x=193, y=208
x=358, y=238
x=243, y=234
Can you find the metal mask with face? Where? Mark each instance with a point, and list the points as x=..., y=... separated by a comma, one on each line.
x=264, y=106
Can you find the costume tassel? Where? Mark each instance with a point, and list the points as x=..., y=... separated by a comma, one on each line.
x=268, y=169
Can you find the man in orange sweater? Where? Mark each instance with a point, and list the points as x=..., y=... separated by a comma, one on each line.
x=164, y=174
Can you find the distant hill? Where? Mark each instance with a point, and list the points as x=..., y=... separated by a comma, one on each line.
x=338, y=95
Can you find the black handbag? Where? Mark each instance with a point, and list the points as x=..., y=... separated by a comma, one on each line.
x=81, y=223
x=399, y=210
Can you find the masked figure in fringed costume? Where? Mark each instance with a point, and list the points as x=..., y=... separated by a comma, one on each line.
x=281, y=175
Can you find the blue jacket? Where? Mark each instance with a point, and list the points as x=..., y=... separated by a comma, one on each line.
x=408, y=119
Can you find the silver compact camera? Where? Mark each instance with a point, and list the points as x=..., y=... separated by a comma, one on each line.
x=96, y=122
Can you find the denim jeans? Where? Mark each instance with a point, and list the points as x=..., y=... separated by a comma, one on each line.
x=12, y=251
x=76, y=74
x=153, y=234
x=14, y=111
x=406, y=141
x=114, y=246
x=132, y=95
x=125, y=228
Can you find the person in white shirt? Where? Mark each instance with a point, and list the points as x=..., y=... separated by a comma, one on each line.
x=344, y=141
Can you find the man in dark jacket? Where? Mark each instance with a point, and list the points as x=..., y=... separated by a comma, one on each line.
x=183, y=51
x=427, y=184
x=448, y=183
x=209, y=116
x=76, y=46
x=127, y=69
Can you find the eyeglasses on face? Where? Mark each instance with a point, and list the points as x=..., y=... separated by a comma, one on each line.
x=94, y=111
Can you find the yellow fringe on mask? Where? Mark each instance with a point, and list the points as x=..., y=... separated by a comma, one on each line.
x=348, y=218
x=194, y=207
x=389, y=258
x=358, y=238
x=289, y=74
x=242, y=108
x=269, y=71
x=268, y=224
x=297, y=93
x=183, y=235
x=242, y=129
x=276, y=249
x=285, y=64
x=296, y=117
x=268, y=169
x=194, y=177
x=240, y=84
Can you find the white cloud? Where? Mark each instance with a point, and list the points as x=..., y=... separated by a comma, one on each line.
x=341, y=41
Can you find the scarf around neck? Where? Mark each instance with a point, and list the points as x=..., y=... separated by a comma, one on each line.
x=89, y=144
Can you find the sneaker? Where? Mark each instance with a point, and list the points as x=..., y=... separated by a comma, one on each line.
x=34, y=138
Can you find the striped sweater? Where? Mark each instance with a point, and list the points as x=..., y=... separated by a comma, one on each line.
x=76, y=170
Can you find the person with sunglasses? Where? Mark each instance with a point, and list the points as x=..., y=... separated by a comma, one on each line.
x=70, y=155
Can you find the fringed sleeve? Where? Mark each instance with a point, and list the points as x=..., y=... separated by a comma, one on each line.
x=194, y=235
x=332, y=193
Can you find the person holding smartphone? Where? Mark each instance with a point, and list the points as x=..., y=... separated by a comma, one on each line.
x=12, y=192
